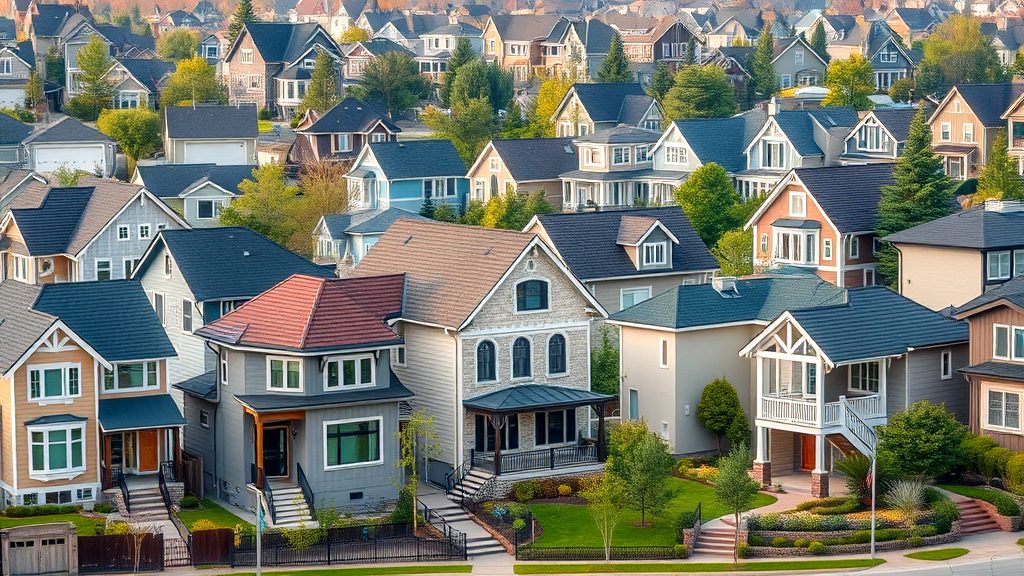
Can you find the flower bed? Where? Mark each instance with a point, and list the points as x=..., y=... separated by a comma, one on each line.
x=822, y=548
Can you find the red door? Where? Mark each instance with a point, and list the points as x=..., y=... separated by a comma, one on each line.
x=806, y=452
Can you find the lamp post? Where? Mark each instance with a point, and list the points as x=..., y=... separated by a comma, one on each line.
x=874, y=482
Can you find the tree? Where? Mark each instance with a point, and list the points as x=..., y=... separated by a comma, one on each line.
x=55, y=65
x=462, y=54
x=615, y=67
x=392, y=81
x=642, y=461
x=734, y=252
x=242, y=16
x=265, y=205
x=512, y=211
x=690, y=57
x=354, y=34
x=194, y=80
x=719, y=406
x=550, y=94
x=67, y=176
x=34, y=91
x=734, y=488
x=766, y=83
x=924, y=441
x=95, y=91
x=708, y=199
x=324, y=191
x=999, y=179
x=902, y=90
x=515, y=124
x=469, y=126
x=700, y=92
x=478, y=79
x=661, y=82
x=417, y=442
x=605, y=496
x=961, y=52
x=819, y=42
x=1017, y=68
x=604, y=365
x=136, y=131
x=473, y=215
x=921, y=192
x=322, y=93
x=177, y=44
x=849, y=83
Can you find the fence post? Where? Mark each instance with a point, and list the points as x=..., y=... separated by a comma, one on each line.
x=551, y=452
x=329, y=545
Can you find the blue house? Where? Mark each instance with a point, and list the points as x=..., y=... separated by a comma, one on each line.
x=404, y=174
x=890, y=59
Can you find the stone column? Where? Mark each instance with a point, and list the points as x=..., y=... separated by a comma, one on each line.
x=819, y=476
x=762, y=465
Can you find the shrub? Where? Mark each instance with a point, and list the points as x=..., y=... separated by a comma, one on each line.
x=922, y=441
x=857, y=469
x=685, y=521
x=756, y=540
x=203, y=524
x=404, y=508
x=40, y=510
x=975, y=447
x=780, y=542
x=103, y=508
x=850, y=505
x=525, y=490
x=564, y=490
x=914, y=541
x=924, y=531
x=294, y=123
x=1004, y=503
x=265, y=113
x=116, y=528
x=518, y=524
x=801, y=543
x=1014, y=476
x=516, y=510
x=943, y=514
x=21, y=114
x=189, y=502
x=907, y=496
x=743, y=550
x=703, y=472
x=680, y=551
x=819, y=502
x=816, y=548
x=993, y=462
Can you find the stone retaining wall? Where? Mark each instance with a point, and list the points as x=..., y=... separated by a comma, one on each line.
x=770, y=551
x=1006, y=523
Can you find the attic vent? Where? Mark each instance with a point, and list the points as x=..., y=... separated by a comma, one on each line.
x=401, y=145
x=1004, y=206
x=245, y=252
x=725, y=286
x=531, y=265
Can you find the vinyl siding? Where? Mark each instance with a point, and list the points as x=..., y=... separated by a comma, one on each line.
x=106, y=244
x=926, y=382
x=430, y=373
x=938, y=277
x=198, y=440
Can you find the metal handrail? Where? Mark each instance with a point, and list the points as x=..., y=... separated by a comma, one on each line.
x=163, y=485
x=455, y=477
x=259, y=479
x=696, y=528
x=123, y=485
x=307, y=492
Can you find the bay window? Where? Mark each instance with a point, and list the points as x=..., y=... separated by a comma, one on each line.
x=57, y=450
x=352, y=443
x=54, y=381
x=351, y=372
x=796, y=247
x=284, y=374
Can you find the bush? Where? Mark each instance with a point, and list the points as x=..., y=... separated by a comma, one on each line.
x=189, y=502
x=40, y=510
x=975, y=447
x=685, y=521
x=816, y=548
x=822, y=502
x=743, y=550
x=518, y=524
x=914, y=541
x=516, y=510
x=780, y=542
x=103, y=508
x=294, y=123
x=77, y=107
x=203, y=524
x=116, y=528
x=924, y=531
x=925, y=440
x=943, y=514
x=857, y=470
x=993, y=462
x=680, y=551
x=265, y=113
x=801, y=542
x=404, y=508
x=756, y=540
x=1014, y=476
x=850, y=505
x=21, y=114
x=525, y=490
x=1004, y=503
x=564, y=490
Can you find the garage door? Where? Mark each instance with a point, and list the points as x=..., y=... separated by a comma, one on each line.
x=12, y=97
x=87, y=158
x=222, y=153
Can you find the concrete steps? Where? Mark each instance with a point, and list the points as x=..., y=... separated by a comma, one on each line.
x=290, y=507
x=469, y=485
x=476, y=546
x=716, y=542
x=147, y=505
x=974, y=519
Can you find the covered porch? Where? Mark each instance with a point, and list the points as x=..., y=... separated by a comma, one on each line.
x=958, y=160
x=274, y=435
x=138, y=435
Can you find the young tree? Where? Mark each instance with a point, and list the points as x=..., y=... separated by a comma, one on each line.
x=719, y=406
x=550, y=94
x=734, y=488
x=34, y=91
x=1017, y=68
x=55, y=65
x=95, y=91
x=849, y=83
x=322, y=93
x=515, y=124
x=766, y=83
x=604, y=365
x=962, y=52
x=615, y=67
x=392, y=81
x=690, y=56
x=819, y=42
x=708, y=199
x=661, y=82
x=194, y=80
x=417, y=442
x=924, y=441
x=734, y=252
x=700, y=92
x=902, y=90
x=999, y=179
x=66, y=176
x=469, y=126
x=324, y=191
x=605, y=496
x=265, y=205
x=512, y=211
x=462, y=54
x=177, y=45
x=136, y=131
x=354, y=34
x=642, y=461
x=243, y=15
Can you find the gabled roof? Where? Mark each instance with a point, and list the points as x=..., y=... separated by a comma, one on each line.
x=995, y=224
x=48, y=229
x=182, y=18
x=210, y=122
x=459, y=30
x=20, y=325
x=588, y=242
x=536, y=159
x=782, y=45
x=286, y=41
x=987, y=101
x=718, y=140
x=896, y=121
x=524, y=27
x=799, y=129
x=1009, y=292
x=417, y=159
x=917, y=19
x=50, y=18
x=12, y=131
x=150, y=72
x=308, y=313
x=848, y=195
x=605, y=102
x=595, y=35
x=378, y=46
x=370, y=221
x=8, y=29
x=411, y=26
x=122, y=37
x=65, y=130
x=172, y=180
x=350, y=115
x=621, y=134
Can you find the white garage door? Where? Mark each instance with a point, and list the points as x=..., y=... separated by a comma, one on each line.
x=12, y=97
x=82, y=158
x=221, y=153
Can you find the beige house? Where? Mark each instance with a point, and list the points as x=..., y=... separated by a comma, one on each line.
x=223, y=135
x=523, y=165
x=593, y=107
x=965, y=123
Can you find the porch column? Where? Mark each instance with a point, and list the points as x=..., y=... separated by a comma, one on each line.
x=177, y=454
x=883, y=369
x=819, y=476
x=819, y=393
x=760, y=387
x=602, y=454
x=106, y=460
x=258, y=431
x=496, y=424
x=762, y=466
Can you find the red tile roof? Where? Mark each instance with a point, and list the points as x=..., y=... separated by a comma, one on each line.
x=306, y=313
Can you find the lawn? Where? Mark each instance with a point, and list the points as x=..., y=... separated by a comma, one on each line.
x=86, y=525
x=572, y=525
x=264, y=126
x=977, y=492
x=771, y=566
x=453, y=569
x=209, y=510
x=940, y=554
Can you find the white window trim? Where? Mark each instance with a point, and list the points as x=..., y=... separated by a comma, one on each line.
x=26, y=262
x=646, y=148
x=214, y=204
x=965, y=133
x=203, y=413
x=127, y=233
x=64, y=473
x=1009, y=341
x=663, y=353
x=682, y=155
x=380, y=443
x=622, y=294
x=1013, y=337
x=664, y=253
x=854, y=248
x=189, y=305
x=149, y=231
x=96, y=267
x=335, y=147
x=476, y=361
x=946, y=360
x=826, y=251
x=512, y=359
x=863, y=391
x=64, y=398
x=163, y=307
x=1009, y=258
x=284, y=380
x=394, y=356
x=145, y=378
x=626, y=155
x=945, y=132
x=984, y=408
x=225, y=367
x=803, y=203
x=515, y=303
x=356, y=358
x=547, y=356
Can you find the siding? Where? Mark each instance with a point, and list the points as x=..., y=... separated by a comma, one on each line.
x=430, y=373
x=926, y=383
x=657, y=390
x=939, y=277
x=106, y=245
x=200, y=441
x=609, y=292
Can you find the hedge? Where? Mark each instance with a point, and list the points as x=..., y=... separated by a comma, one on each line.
x=1014, y=477
x=40, y=510
x=993, y=462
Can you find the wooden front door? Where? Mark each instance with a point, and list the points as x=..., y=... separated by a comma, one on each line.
x=806, y=452
x=148, y=451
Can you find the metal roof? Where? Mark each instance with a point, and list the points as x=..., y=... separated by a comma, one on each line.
x=529, y=397
x=138, y=412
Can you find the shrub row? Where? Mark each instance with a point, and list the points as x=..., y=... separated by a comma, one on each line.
x=858, y=537
x=547, y=487
x=40, y=510
x=983, y=456
x=830, y=506
x=807, y=522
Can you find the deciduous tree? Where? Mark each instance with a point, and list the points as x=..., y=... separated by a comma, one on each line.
x=642, y=461
x=849, y=83
x=176, y=45
x=734, y=488
x=417, y=442
x=719, y=406
x=734, y=252
x=604, y=365
x=194, y=80
x=605, y=496
x=95, y=91
x=136, y=131
x=478, y=79
x=469, y=126
x=354, y=34
x=700, y=92
x=924, y=441
x=615, y=67
x=393, y=82
x=961, y=52
x=550, y=94
x=709, y=199
x=902, y=90
x=322, y=93
x=999, y=179
x=266, y=205
x=34, y=95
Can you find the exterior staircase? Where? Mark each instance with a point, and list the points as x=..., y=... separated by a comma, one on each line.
x=147, y=505
x=716, y=542
x=479, y=545
x=842, y=444
x=469, y=485
x=290, y=507
x=974, y=519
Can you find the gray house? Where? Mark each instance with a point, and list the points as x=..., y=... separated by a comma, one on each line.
x=305, y=388
x=797, y=64
x=350, y=235
x=197, y=192
x=890, y=59
x=879, y=136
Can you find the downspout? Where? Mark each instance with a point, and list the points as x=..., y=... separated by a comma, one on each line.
x=840, y=261
x=906, y=381
x=216, y=421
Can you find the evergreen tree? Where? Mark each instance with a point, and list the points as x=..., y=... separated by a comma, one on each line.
x=661, y=82
x=463, y=54
x=999, y=179
x=34, y=91
x=515, y=125
x=766, y=83
x=700, y=92
x=322, y=93
x=615, y=68
x=393, y=81
x=1017, y=69
x=819, y=43
x=243, y=15
x=95, y=91
x=692, y=54
x=921, y=192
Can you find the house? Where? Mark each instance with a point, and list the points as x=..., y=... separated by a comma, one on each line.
x=96, y=231
x=822, y=219
x=951, y=260
x=17, y=61
x=734, y=28
x=812, y=379
x=879, y=136
x=965, y=122
x=223, y=135
x=435, y=47
x=587, y=40
x=1013, y=116
x=176, y=20
x=1005, y=36
x=12, y=134
x=208, y=14
x=525, y=165
x=513, y=41
x=674, y=344
x=196, y=192
x=624, y=257
x=494, y=327
x=589, y=108
x=406, y=27
x=83, y=400
x=211, y=46
x=348, y=236
x=126, y=44
x=359, y=54
x=797, y=64
x=15, y=182
x=890, y=60
x=651, y=40
x=44, y=25
x=189, y=289
x=913, y=24
x=735, y=61
x=137, y=81
x=67, y=143
x=341, y=132
x=315, y=393
x=615, y=171
x=404, y=174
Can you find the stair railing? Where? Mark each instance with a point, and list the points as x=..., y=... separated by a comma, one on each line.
x=165, y=469
x=123, y=485
x=259, y=479
x=307, y=492
x=455, y=477
x=859, y=430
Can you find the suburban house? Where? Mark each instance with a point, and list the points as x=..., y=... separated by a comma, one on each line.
x=652, y=40
x=14, y=183
x=312, y=399
x=70, y=144
x=435, y=47
x=879, y=136
x=211, y=46
x=624, y=257
x=952, y=260
x=890, y=60
x=589, y=108
x=406, y=27
x=735, y=61
x=965, y=123
x=341, y=132
x=514, y=41
x=176, y=20
x=83, y=402
x=17, y=61
x=43, y=25
x=224, y=135
x=404, y=174
x=822, y=219
x=208, y=14
x=348, y=236
x=913, y=24
x=96, y=231
x=819, y=392
x=12, y=134
x=1013, y=116
x=797, y=64
x=586, y=39
x=359, y=54
x=494, y=327
x=137, y=81
x=196, y=192
x=524, y=165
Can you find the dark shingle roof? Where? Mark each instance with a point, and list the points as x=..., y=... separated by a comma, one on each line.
x=170, y=180
x=371, y=221
x=350, y=115
x=284, y=41
x=202, y=386
x=916, y=18
x=26, y=52
x=604, y=101
x=86, y=308
x=989, y=101
x=848, y=195
x=149, y=71
x=271, y=402
x=718, y=140
x=798, y=127
x=49, y=228
x=622, y=135
x=8, y=30
x=378, y=46
x=997, y=369
x=533, y=396
x=20, y=325
x=211, y=122
x=535, y=159
x=587, y=242
x=50, y=18
x=12, y=131
x=595, y=34
x=976, y=227
x=896, y=121
x=67, y=129
x=418, y=159
x=524, y=27
x=133, y=413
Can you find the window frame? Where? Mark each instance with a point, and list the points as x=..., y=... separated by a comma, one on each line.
x=512, y=358
x=245, y=56
x=399, y=356
x=20, y=267
x=215, y=208
x=124, y=228
x=65, y=368
x=622, y=155
x=853, y=250
x=494, y=360
x=161, y=311
x=946, y=131
x=546, y=304
x=967, y=133
x=826, y=250
x=802, y=197
x=986, y=419
x=634, y=290
x=651, y=248
x=115, y=378
x=547, y=427
x=109, y=270
x=70, y=470
x=565, y=355
x=646, y=148
x=999, y=264
x=1007, y=341
x=357, y=359
x=187, y=312
x=764, y=243
x=663, y=353
x=380, y=443
x=946, y=364
x=866, y=390
x=681, y=155
x=204, y=418
x=284, y=374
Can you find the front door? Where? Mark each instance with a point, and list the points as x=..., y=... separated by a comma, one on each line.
x=275, y=451
x=807, y=452
x=148, y=450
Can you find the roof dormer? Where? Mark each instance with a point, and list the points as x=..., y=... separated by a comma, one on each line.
x=647, y=241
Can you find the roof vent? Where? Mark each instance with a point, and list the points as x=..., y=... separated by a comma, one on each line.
x=245, y=252
x=568, y=149
x=1004, y=206
x=725, y=285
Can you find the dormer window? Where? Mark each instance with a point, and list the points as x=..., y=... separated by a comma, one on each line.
x=621, y=155
x=246, y=56
x=643, y=154
x=773, y=155
x=532, y=296
x=797, y=204
x=655, y=254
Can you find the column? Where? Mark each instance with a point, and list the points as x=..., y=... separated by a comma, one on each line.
x=819, y=476
x=762, y=465
x=602, y=453
x=760, y=387
x=258, y=432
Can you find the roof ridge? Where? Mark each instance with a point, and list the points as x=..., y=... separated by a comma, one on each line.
x=321, y=282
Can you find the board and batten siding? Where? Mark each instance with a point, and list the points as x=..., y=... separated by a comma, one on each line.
x=430, y=372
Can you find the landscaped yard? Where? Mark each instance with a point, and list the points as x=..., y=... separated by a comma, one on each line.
x=209, y=510
x=940, y=554
x=441, y=569
x=86, y=525
x=689, y=567
x=572, y=524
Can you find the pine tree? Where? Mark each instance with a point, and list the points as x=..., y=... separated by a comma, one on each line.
x=1018, y=65
x=615, y=68
x=661, y=82
x=322, y=93
x=766, y=83
x=921, y=192
x=999, y=179
x=243, y=15
x=819, y=43
x=463, y=54
x=690, y=57
x=700, y=92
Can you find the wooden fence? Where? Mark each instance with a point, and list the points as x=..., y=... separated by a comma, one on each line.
x=117, y=553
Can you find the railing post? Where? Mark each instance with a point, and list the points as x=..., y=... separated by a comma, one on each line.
x=552, y=456
x=472, y=457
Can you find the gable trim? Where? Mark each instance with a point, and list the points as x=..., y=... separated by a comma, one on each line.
x=863, y=121
x=776, y=192
x=57, y=324
x=142, y=193
x=480, y=158
x=769, y=331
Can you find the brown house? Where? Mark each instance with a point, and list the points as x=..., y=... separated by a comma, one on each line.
x=524, y=165
x=964, y=125
x=341, y=132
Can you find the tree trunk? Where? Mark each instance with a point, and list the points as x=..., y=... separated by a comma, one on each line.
x=736, y=541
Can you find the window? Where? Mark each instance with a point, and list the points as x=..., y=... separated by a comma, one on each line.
x=246, y=56
x=521, y=358
x=158, y=306
x=797, y=204
x=103, y=269
x=478, y=188
x=869, y=138
x=633, y=296
x=531, y=296
x=864, y=377
x=5, y=66
x=378, y=137
x=130, y=264
x=204, y=418
x=876, y=245
x=854, y=247
x=122, y=233
x=797, y=247
x=436, y=187
x=29, y=500
x=398, y=356
x=353, y=372
x=676, y=155
x=634, y=404
x=764, y=243
x=1004, y=409
x=826, y=250
x=208, y=209
x=284, y=374
x=556, y=355
x=798, y=56
x=341, y=142
x=620, y=155
x=210, y=51
x=309, y=63
x=226, y=306
x=945, y=132
x=493, y=165
x=83, y=494
x=643, y=154
x=887, y=56
x=1001, y=341
x=786, y=81
x=20, y=271
x=869, y=276
x=1018, y=343
x=773, y=155
x=968, y=133
x=946, y=365
x=224, y=366
x=592, y=156
x=131, y=376
x=57, y=450
x=998, y=265
x=655, y=254
x=663, y=353
x=255, y=83
x=1018, y=262
x=485, y=362
x=54, y=381
x=484, y=436
x=167, y=265
x=352, y=443
x=556, y=427
x=186, y=316
x=144, y=231
x=956, y=106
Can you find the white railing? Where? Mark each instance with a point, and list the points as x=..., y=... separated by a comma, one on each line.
x=856, y=430
x=804, y=411
x=867, y=406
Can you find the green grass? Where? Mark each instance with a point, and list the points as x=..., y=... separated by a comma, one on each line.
x=86, y=526
x=1020, y=542
x=772, y=566
x=209, y=510
x=452, y=569
x=977, y=492
x=940, y=554
x=264, y=126
x=572, y=525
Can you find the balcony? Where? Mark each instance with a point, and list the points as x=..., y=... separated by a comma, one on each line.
x=801, y=411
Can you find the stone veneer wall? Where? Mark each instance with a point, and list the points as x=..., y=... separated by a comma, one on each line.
x=953, y=535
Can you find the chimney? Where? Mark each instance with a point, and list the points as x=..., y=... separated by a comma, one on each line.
x=725, y=285
x=773, y=107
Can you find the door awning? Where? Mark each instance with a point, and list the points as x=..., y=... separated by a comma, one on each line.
x=139, y=413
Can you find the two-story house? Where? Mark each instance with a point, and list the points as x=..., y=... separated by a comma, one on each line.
x=584, y=40
x=913, y=24
x=615, y=171
x=312, y=399
x=137, y=81
x=68, y=143
x=649, y=40
x=344, y=238
x=965, y=123
x=797, y=64
x=589, y=108
x=890, y=59
x=404, y=174
x=341, y=132
x=17, y=61
x=879, y=136
x=406, y=27
x=223, y=135
x=436, y=46
x=196, y=192
x=175, y=20
x=514, y=41
x=525, y=165
x=1013, y=116
x=359, y=54
x=815, y=218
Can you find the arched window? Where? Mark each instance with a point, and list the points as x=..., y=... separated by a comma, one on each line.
x=556, y=354
x=531, y=295
x=485, y=361
x=521, y=358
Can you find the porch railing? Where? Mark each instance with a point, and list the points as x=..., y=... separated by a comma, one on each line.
x=804, y=411
x=307, y=492
x=259, y=479
x=549, y=458
x=868, y=406
x=123, y=485
x=166, y=469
